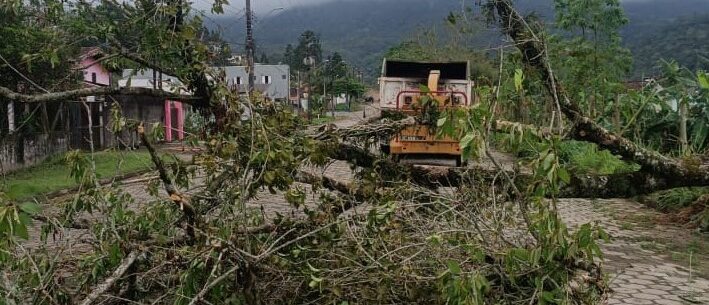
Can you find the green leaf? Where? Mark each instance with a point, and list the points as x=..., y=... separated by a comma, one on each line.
x=519, y=78
x=20, y=227
x=442, y=121
x=454, y=267
x=703, y=79
x=564, y=175
x=30, y=208
x=548, y=296
x=465, y=141
x=548, y=159
x=314, y=281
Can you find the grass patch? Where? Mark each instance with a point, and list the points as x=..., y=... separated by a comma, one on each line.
x=584, y=157
x=581, y=158
x=343, y=107
x=53, y=174
x=674, y=199
x=322, y=120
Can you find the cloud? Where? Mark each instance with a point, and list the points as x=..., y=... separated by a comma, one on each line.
x=259, y=6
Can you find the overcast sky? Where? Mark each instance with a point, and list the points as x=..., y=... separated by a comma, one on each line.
x=267, y=6
x=260, y=6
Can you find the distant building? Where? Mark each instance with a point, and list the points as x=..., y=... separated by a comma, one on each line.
x=271, y=80
x=72, y=124
x=148, y=109
x=88, y=121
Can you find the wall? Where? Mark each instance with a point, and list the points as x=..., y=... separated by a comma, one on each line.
x=149, y=110
x=90, y=64
x=279, y=88
x=18, y=152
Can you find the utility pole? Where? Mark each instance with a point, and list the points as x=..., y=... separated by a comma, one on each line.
x=250, y=46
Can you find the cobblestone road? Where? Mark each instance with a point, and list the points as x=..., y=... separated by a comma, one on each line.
x=645, y=260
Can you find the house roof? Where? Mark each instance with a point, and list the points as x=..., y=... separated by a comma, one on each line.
x=94, y=53
x=144, y=79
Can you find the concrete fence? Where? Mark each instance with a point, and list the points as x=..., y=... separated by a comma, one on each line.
x=20, y=151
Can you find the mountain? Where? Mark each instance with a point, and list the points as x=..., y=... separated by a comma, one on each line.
x=363, y=30
x=667, y=30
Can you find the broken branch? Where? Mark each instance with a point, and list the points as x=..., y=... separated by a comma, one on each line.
x=107, y=284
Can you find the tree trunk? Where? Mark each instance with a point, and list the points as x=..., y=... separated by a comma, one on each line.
x=684, y=143
x=616, y=115
x=611, y=186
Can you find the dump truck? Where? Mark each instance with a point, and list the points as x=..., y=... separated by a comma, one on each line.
x=403, y=85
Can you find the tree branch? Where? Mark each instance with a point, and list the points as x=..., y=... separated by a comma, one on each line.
x=175, y=195
x=110, y=281
x=84, y=92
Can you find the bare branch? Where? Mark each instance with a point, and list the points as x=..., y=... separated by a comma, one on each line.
x=107, y=284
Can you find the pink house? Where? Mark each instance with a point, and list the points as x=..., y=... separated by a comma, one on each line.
x=94, y=72
x=89, y=123
x=149, y=110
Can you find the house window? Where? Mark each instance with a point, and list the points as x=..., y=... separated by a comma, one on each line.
x=284, y=76
x=93, y=77
x=238, y=80
x=266, y=79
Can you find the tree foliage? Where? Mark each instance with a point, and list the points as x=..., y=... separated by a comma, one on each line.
x=594, y=61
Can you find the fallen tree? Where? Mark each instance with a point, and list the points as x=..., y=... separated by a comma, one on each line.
x=535, y=55
x=580, y=186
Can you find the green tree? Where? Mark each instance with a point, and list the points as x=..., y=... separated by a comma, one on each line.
x=335, y=66
x=289, y=56
x=428, y=45
x=308, y=52
x=589, y=52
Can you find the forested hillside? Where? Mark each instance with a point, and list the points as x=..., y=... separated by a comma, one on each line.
x=684, y=39
x=363, y=30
